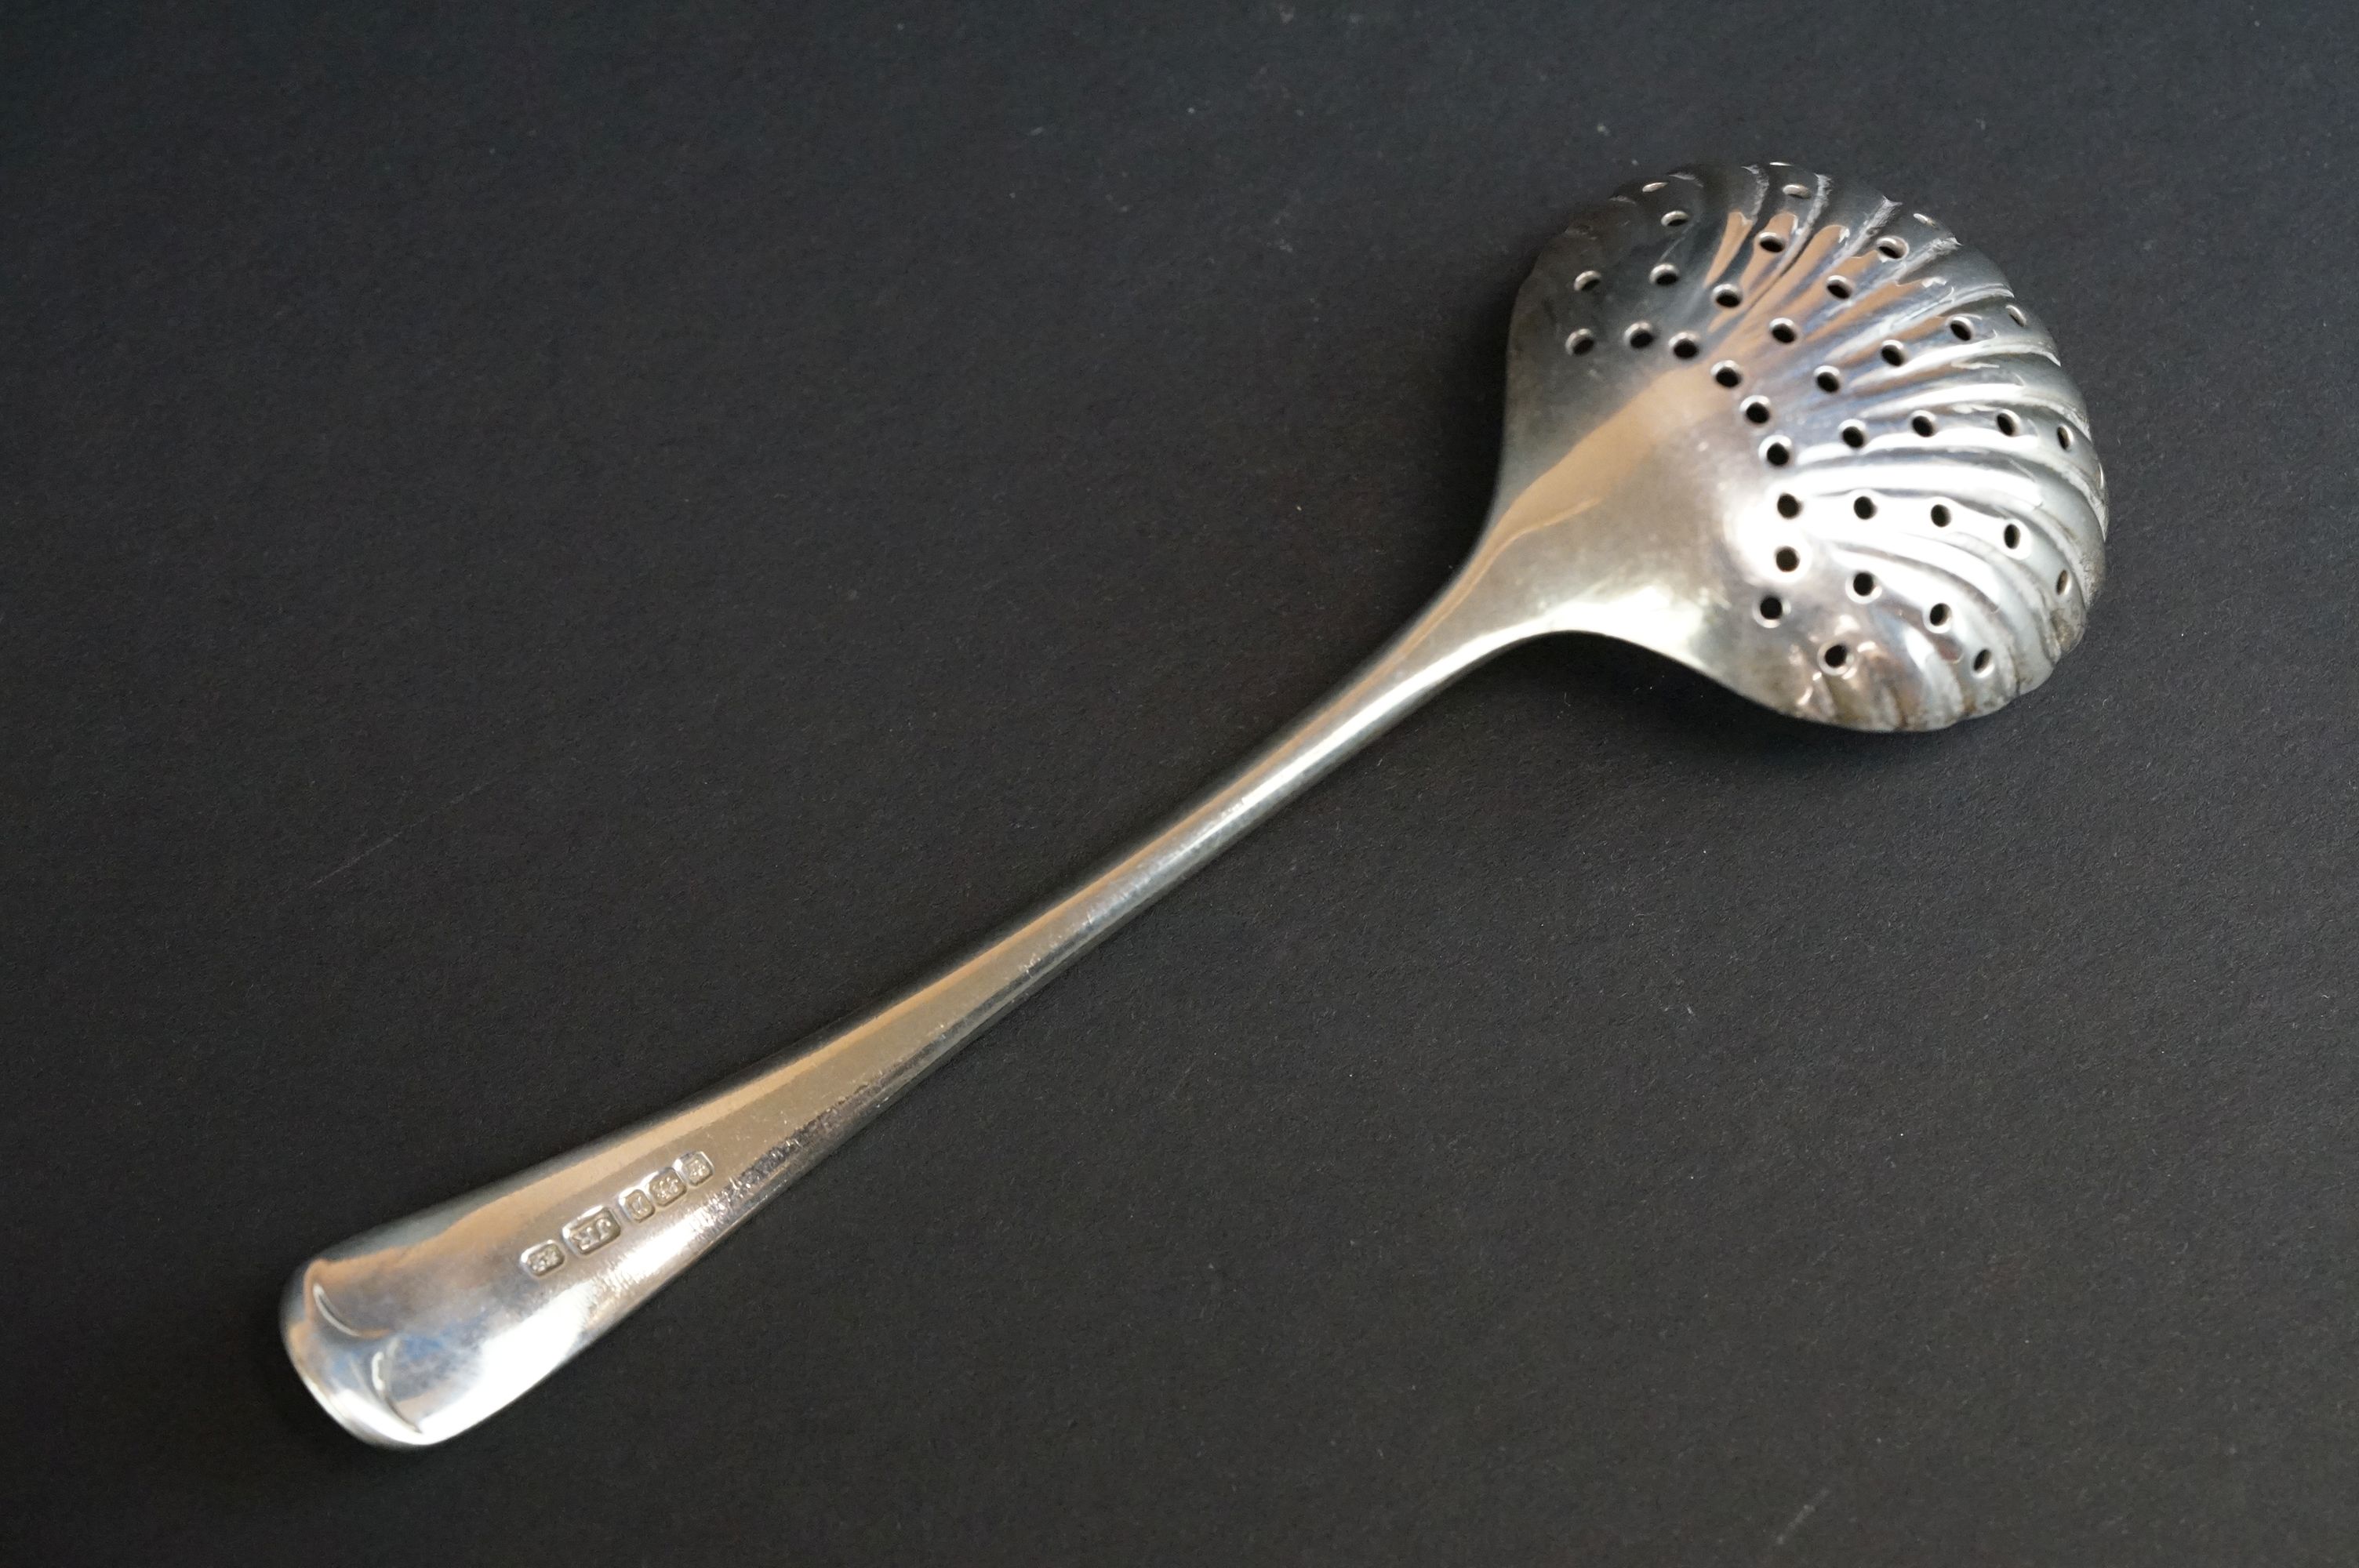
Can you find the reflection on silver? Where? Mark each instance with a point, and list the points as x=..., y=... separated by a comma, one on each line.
x=1767, y=424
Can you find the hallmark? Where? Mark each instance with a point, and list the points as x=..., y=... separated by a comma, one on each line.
x=593, y=1231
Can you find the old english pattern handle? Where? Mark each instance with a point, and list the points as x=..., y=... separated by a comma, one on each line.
x=415, y=1332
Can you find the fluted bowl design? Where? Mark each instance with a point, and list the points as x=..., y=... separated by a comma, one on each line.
x=1899, y=508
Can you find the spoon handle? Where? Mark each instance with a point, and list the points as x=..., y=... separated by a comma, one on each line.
x=414, y=1332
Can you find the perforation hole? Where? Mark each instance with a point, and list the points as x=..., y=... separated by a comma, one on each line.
x=1961, y=329
x=1894, y=355
x=1758, y=410
x=1893, y=246
x=1726, y=374
x=2011, y=537
x=1836, y=656
x=1665, y=276
x=1790, y=559
x=1983, y=662
x=1829, y=379
x=1863, y=585
x=1728, y=295
x=1639, y=336
x=1778, y=451
x=1773, y=244
x=1789, y=505
x=1938, y=616
x=1674, y=218
x=1783, y=330
x=1771, y=610
x=1651, y=186
x=2064, y=436
x=2063, y=584
x=1684, y=346
x=2015, y=314
x=2006, y=422
x=1582, y=341
x=1840, y=287
x=1855, y=434
x=1588, y=280
x=1864, y=507
x=1797, y=190
x=1940, y=516
x=1922, y=422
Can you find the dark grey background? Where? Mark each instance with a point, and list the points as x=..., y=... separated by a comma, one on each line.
x=543, y=556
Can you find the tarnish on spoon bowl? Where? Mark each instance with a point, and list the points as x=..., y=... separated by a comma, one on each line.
x=1768, y=425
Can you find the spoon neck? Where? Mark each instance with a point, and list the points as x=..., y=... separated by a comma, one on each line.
x=1470, y=620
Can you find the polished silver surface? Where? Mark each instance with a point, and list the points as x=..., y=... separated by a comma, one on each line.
x=1764, y=422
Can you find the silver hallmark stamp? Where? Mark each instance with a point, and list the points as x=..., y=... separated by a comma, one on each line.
x=593, y=1231
x=666, y=1186
x=542, y=1260
x=695, y=1168
x=637, y=1205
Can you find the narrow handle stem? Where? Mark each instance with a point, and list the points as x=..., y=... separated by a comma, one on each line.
x=414, y=1332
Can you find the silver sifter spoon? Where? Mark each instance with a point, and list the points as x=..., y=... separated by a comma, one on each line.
x=1762, y=422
